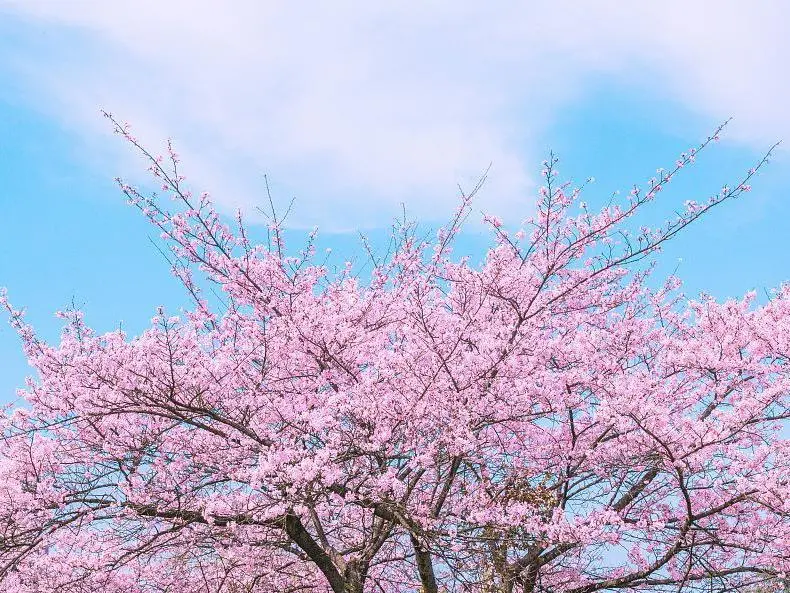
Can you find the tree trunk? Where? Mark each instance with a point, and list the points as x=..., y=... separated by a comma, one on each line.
x=354, y=577
x=424, y=566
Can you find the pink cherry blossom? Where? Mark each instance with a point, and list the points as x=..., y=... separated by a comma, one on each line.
x=545, y=421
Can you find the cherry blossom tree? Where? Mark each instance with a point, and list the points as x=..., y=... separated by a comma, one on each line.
x=548, y=420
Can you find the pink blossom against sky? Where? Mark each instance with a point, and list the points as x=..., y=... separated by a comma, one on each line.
x=355, y=108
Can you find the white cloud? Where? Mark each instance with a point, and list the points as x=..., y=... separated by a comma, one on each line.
x=355, y=107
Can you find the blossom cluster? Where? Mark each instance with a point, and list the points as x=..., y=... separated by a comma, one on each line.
x=545, y=421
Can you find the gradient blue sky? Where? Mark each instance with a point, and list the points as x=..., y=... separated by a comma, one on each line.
x=355, y=108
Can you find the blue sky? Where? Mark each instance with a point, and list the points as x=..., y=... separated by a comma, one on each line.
x=355, y=109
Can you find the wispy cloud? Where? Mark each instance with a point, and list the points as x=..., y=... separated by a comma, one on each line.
x=354, y=107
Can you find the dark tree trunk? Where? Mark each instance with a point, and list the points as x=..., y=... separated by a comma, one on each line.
x=424, y=567
x=354, y=577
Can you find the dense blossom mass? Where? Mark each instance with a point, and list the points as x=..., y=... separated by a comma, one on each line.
x=544, y=421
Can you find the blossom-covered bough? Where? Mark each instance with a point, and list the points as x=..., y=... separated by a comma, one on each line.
x=545, y=421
